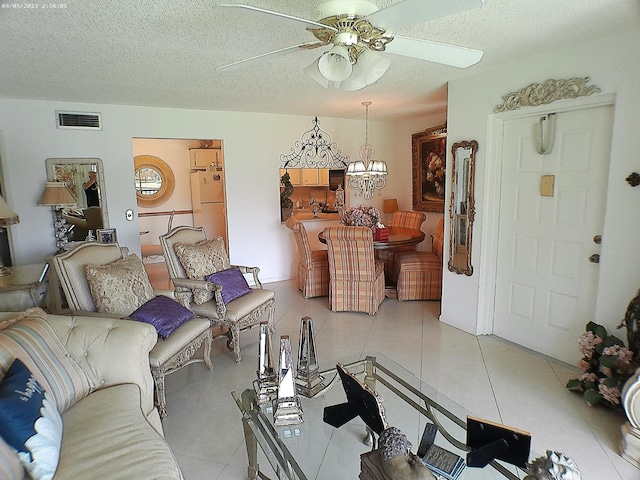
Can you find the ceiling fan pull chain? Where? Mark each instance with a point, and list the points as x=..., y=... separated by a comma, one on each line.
x=539, y=136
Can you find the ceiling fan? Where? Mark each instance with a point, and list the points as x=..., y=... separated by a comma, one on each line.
x=358, y=31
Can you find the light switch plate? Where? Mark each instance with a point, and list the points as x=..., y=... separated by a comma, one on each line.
x=546, y=185
x=129, y=215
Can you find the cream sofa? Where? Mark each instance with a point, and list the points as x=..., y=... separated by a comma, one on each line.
x=111, y=429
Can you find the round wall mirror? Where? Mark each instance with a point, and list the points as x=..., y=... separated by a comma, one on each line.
x=154, y=180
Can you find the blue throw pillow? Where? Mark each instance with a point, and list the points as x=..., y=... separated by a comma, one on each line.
x=164, y=314
x=233, y=283
x=30, y=422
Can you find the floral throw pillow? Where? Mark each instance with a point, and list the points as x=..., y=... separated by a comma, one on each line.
x=202, y=259
x=119, y=287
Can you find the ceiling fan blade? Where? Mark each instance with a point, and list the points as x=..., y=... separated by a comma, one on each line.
x=410, y=12
x=255, y=11
x=461, y=57
x=276, y=53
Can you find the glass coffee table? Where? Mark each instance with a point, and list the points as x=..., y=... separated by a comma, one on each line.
x=316, y=450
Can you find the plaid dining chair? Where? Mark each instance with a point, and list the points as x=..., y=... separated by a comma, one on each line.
x=356, y=277
x=418, y=275
x=404, y=219
x=313, y=265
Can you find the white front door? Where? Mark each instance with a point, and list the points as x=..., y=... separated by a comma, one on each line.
x=546, y=283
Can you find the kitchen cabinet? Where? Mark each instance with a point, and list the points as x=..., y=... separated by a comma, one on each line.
x=294, y=175
x=324, y=177
x=206, y=158
x=310, y=176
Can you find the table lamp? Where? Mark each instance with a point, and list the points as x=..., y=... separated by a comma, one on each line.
x=56, y=195
x=389, y=205
x=7, y=217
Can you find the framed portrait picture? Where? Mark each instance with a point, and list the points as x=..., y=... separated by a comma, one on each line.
x=429, y=155
x=107, y=235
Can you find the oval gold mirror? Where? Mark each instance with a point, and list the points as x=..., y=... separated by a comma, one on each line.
x=462, y=207
x=154, y=180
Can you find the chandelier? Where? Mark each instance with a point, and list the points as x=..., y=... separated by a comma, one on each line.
x=353, y=62
x=367, y=175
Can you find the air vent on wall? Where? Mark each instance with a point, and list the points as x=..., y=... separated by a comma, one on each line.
x=81, y=120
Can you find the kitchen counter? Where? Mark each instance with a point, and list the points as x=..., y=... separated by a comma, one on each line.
x=314, y=226
x=307, y=215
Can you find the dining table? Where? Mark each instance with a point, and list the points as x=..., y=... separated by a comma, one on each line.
x=398, y=237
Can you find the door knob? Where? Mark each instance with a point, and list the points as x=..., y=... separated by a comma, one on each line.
x=597, y=239
x=595, y=258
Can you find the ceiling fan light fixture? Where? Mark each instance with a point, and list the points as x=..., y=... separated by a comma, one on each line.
x=374, y=65
x=313, y=71
x=335, y=65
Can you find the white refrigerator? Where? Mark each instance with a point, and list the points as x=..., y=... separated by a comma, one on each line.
x=208, y=200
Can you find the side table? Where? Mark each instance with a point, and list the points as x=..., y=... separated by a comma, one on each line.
x=24, y=288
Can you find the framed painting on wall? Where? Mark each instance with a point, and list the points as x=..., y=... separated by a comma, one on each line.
x=429, y=154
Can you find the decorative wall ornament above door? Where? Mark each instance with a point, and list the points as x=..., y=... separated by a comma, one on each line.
x=547, y=92
x=315, y=150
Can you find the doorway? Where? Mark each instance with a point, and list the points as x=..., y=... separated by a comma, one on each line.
x=543, y=285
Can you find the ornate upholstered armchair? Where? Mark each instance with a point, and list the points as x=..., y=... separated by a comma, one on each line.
x=313, y=265
x=357, y=278
x=190, y=257
x=168, y=355
x=406, y=219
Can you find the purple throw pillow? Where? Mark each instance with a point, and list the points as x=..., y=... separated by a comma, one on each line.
x=164, y=314
x=233, y=283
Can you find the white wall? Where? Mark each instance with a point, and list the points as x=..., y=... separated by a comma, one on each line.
x=611, y=65
x=253, y=144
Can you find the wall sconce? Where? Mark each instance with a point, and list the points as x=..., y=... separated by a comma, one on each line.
x=56, y=195
x=7, y=217
x=367, y=175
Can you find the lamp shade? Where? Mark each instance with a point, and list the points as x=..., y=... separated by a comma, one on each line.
x=7, y=216
x=335, y=65
x=56, y=194
x=390, y=205
x=377, y=167
x=356, y=168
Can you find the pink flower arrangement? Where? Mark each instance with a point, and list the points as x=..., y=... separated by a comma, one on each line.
x=607, y=364
x=587, y=344
x=361, y=216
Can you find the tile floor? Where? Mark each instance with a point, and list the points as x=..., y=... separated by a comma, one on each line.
x=491, y=378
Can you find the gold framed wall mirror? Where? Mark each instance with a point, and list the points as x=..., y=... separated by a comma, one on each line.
x=84, y=177
x=462, y=206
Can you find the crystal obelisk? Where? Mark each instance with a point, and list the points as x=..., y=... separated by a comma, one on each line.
x=308, y=380
x=287, y=409
x=266, y=385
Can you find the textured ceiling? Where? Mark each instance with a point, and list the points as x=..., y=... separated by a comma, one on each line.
x=164, y=53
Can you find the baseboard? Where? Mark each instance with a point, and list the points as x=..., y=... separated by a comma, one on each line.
x=457, y=324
